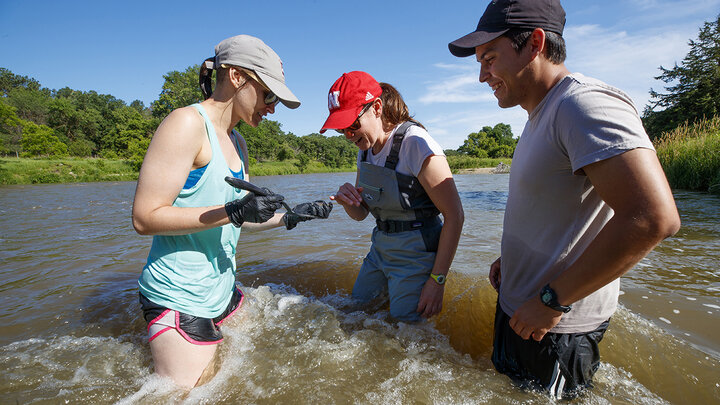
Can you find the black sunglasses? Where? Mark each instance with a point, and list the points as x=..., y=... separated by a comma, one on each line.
x=356, y=125
x=270, y=98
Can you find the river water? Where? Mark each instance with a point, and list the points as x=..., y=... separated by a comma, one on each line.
x=72, y=331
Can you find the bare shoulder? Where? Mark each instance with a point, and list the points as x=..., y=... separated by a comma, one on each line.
x=179, y=138
x=183, y=122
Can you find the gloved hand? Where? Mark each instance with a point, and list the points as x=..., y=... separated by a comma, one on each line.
x=307, y=211
x=253, y=208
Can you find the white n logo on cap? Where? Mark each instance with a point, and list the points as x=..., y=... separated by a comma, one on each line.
x=333, y=100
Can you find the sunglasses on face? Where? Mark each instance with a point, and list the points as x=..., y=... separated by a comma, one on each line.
x=270, y=98
x=355, y=125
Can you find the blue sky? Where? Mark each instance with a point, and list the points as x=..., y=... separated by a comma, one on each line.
x=124, y=48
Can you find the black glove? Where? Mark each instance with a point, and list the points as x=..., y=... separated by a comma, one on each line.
x=253, y=208
x=307, y=211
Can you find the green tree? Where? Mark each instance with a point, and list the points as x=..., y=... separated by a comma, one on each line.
x=81, y=148
x=310, y=145
x=303, y=161
x=39, y=140
x=502, y=133
x=136, y=151
x=86, y=122
x=31, y=105
x=179, y=90
x=9, y=81
x=338, y=152
x=695, y=90
x=92, y=125
x=129, y=125
x=11, y=128
x=285, y=152
x=64, y=118
x=265, y=141
x=494, y=142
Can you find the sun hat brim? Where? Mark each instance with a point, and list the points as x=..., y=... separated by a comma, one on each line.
x=280, y=89
x=341, y=118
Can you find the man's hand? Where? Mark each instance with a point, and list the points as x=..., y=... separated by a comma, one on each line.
x=534, y=319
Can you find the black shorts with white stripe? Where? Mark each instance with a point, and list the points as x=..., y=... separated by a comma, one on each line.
x=561, y=364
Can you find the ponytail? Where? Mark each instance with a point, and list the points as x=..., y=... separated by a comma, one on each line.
x=395, y=111
x=205, y=79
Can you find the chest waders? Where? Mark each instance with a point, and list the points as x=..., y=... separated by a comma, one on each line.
x=405, y=240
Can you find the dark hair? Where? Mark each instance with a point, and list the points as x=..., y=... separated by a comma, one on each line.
x=554, y=43
x=206, y=74
x=395, y=111
x=205, y=78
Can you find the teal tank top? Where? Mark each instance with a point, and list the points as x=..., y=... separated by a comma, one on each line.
x=195, y=273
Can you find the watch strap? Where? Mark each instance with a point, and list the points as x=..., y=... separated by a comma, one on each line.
x=439, y=278
x=549, y=298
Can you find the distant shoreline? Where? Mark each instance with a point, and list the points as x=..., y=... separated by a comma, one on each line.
x=73, y=170
x=479, y=170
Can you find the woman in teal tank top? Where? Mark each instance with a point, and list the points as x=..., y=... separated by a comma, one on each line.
x=188, y=286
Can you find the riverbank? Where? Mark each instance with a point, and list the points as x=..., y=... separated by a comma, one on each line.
x=64, y=170
x=479, y=170
x=690, y=156
x=85, y=170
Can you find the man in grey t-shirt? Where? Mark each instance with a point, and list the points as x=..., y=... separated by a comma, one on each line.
x=587, y=200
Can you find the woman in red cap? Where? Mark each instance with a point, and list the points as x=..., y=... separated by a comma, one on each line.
x=404, y=181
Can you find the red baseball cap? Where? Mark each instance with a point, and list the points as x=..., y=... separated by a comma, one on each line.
x=347, y=96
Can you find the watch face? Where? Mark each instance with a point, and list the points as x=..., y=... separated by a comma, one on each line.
x=440, y=279
x=546, y=297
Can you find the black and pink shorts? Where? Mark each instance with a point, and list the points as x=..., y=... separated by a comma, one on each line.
x=196, y=330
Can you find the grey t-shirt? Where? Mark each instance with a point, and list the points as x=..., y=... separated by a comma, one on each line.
x=553, y=211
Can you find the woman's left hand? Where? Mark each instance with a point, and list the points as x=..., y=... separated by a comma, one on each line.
x=431, y=299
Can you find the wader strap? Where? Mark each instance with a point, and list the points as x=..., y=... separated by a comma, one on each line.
x=392, y=158
x=391, y=226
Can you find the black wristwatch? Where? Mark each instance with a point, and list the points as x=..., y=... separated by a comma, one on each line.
x=549, y=298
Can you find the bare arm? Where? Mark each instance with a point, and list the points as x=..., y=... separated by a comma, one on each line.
x=437, y=180
x=634, y=186
x=171, y=155
x=274, y=222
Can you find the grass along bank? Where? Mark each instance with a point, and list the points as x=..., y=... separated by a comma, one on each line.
x=462, y=162
x=64, y=170
x=690, y=156
x=293, y=166
x=77, y=170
